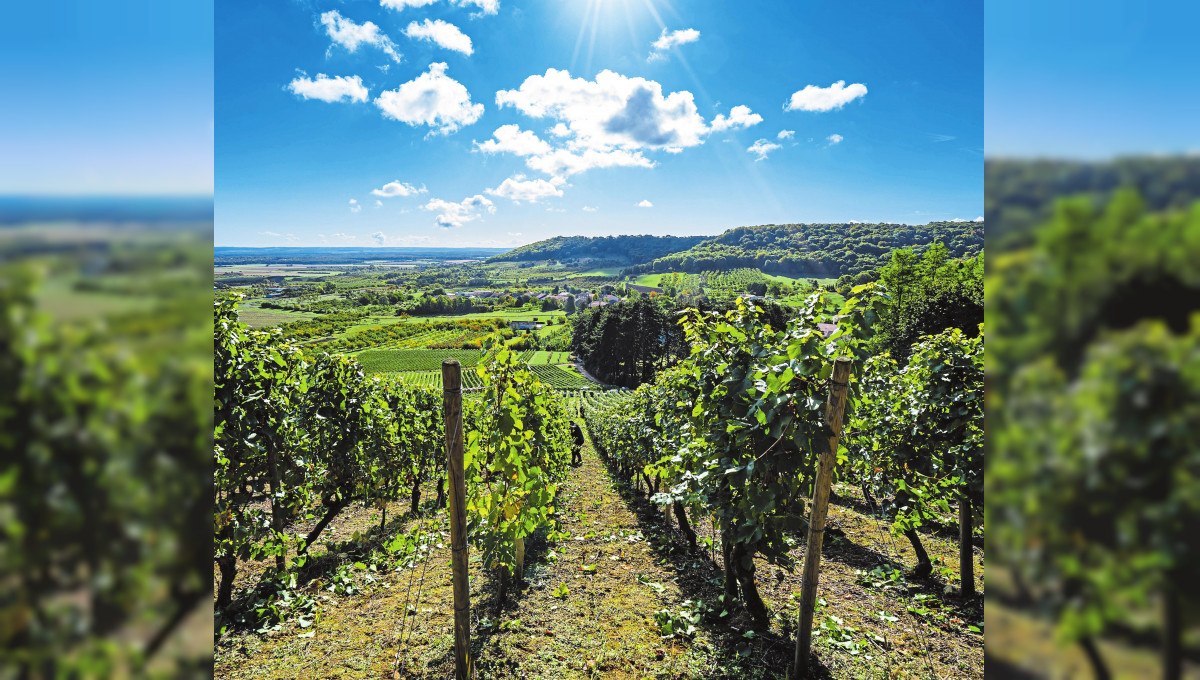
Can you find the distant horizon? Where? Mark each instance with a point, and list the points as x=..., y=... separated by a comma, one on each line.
x=382, y=247
x=21, y=208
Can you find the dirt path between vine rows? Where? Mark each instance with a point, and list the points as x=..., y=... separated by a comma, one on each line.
x=602, y=624
x=593, y=601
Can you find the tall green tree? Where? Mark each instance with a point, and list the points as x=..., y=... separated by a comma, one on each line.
x=928, y=294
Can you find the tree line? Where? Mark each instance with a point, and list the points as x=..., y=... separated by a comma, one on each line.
x=815, y=250
x=615, y=249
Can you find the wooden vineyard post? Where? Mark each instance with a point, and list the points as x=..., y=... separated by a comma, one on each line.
x=834, y=409
x=452, y=393
x=966, y=553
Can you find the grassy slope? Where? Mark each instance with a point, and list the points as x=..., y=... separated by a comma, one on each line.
x=256, y=317
x=604, y=271
x=64, y=303
x=604, y=627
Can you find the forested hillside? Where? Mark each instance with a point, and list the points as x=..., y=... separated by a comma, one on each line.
x=1021, y=194
x=615, y=249
x=817, y=250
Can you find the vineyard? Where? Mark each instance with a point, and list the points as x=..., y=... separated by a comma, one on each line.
x=423, y=366
x=440, y=338
x=673, y=547
x=734, y=280
x=398, y=360
x=561, y=378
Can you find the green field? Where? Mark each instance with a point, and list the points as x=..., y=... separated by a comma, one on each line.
x=257, y=317
x=604, y=271
x=799, y=300
x=64, y=303
x=649, y=279
x=797, y=279
x=404, y=360
x=539, y=357
x=506, y=314
x=562, y=378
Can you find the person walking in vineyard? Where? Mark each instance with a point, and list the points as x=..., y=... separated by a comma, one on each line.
x=577, y=434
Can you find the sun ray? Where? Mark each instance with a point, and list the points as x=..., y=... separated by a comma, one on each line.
x=579, y=38
x=595, y=21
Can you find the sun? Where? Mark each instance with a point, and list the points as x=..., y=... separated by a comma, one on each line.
x=599, y=17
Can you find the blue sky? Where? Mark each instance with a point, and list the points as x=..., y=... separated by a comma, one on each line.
x=498, y=122
x=1091, y=80
x=112, y=98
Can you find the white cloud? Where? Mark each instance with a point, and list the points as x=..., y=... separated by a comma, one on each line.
x=485, y=6
x=345, y=237
x=607, y=122
x=667, y=40
x=329, y=89
x=978, y=219
x=518, y=189
x=378, y=203
x=432, y=99
x=785, y=134
x=384, y=68
x=739, y=116
x=561, y=162
x=761, y=148
x=834, y=139
x=442, y=34
x=813, y=98
x=611, y=111
x=513, y=139
x=401, y=4
x=398, y=188
x=645, y=204
x=345, y=32
x=514, y=233
x=590, y=208
x=272, y=234
x=457, y=214
x=354, y=206
x=379, y=238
